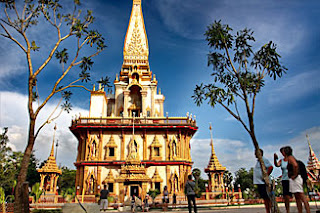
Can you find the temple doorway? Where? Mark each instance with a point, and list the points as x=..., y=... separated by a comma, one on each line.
x=134, y=190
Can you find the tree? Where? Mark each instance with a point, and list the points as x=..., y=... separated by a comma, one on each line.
x=196, y=174
x=67, y=179
x=3, y=200
x=153, y=194
x=16, y=21
x=244, y=178
x=238, y=76
x=227, y=178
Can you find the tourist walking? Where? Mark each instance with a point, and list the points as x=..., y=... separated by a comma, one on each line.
x=190, y=193
x=283, y=163
x=104, y=198
x=165, y=198
x=296, y=181
x=258, y=180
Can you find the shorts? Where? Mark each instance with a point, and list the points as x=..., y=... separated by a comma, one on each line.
x=285, y=188
x=296, y=185
x=103, y=204
x=262, y=189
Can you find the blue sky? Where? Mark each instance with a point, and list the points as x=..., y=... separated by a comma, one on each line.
x=286, y=110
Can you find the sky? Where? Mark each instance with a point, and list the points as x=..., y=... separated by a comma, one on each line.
x=287, y=109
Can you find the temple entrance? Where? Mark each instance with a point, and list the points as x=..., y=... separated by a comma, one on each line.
x=134, y=190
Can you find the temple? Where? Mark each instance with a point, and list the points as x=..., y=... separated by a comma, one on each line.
x=313, y=167
x=214, y=170
x=49, y=173
x=127, y=142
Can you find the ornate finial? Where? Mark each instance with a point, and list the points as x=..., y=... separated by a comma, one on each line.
x=100, y=86
x=94, y=87
x=154, y=77
x=159, y=91
x=117, y=78
x=136, y=1
x=52, y=148
x=211, y=141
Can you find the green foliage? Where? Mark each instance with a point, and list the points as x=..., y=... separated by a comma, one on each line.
x=227, y=178
x=238, y=73
x=68, y=194
x=62, y=56
x=153, y=193
x=196, y=174
x=202, y=184
x=244, y=178
x=67, y=179
x=105, y=82
x=10, y=163
x=36, y=192
x=33, y=175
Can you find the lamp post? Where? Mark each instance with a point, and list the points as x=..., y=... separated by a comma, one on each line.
x=239, y=192
x=227, y=197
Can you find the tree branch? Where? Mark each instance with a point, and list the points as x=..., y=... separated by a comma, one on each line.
x=48, y=119
x=234, y=115
x=13, y=39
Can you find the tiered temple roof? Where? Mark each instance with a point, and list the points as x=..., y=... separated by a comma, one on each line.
x=214, y=164
x=50, y=166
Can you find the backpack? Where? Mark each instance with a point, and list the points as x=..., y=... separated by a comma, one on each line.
x=303, y=171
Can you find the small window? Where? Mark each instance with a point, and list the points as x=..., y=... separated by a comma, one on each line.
x=111, y=151
x=110, y=187
x=156, y=151
x=148, y=114
x=157, y=185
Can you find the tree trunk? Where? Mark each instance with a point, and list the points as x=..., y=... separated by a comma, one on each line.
x=274, y=208
x=19, y=203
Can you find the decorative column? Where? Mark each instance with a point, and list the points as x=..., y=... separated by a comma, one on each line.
x=167, y=175
x=122, y=157
x=144, y=96
x=161, y=107
x=152, y=101
x=126, y=94
x=145, y=148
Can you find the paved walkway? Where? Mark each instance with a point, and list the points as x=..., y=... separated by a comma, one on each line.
x=244, y=209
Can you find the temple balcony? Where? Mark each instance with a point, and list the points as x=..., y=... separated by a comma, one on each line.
x=138, y=121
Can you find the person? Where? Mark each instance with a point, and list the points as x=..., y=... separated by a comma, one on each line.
x=295, y=181
x=258, y=180
x=190, y=193
x=133, y=203
x=283, y=163
x=146, y=203
x=174, y=200
x=165, y=199
x=104, y=198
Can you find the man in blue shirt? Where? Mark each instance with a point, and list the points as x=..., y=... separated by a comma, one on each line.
x=258, y=180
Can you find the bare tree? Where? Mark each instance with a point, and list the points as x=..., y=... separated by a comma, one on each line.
x=16, y=20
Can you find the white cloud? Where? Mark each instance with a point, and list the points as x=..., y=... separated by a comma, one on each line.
x=296, y=87
x=12, y=62
x=14, y=115
x=235, y=154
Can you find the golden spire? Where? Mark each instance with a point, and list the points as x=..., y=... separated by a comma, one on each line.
x=51, y=165
x=214, y=164
x=136, y=50
x=52, y=148
x=313, y=162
